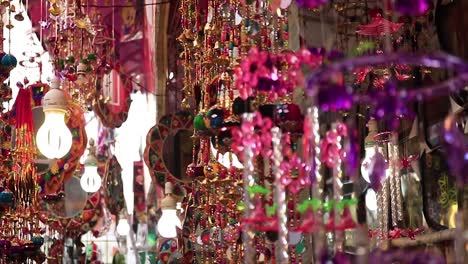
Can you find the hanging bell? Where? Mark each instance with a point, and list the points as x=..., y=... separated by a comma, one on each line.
x=207, y=27
x=80, y=23
x=196, y=44
x=189, y=35
x=81, y=73
x=185, y=103
x=214, y=28
x=81, y=69
x=54, y=10
x=181, y=38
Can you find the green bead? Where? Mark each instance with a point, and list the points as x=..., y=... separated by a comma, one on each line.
x=70, y=60
x=240, y=206
x=61, y=62
x=92, y=56
x=85, y=61
x=300, y=248
x=38, y=240
x=152, y=239
x=199, y=123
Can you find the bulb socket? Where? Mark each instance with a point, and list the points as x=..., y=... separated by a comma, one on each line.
x=81, y=69
x=169, y=202
x=55, y=99
x=91, y=159
x=168, y=187
x=373, y=130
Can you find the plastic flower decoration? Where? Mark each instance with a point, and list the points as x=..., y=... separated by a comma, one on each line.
x=275, y=75
x=259, y=140
x=295, y=175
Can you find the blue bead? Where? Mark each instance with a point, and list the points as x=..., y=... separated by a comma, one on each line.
x=9, y=61
x=38, y=241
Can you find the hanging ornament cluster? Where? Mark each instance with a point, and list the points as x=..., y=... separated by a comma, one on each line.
x=79, y=44
x=267, y=171
x=216, y=36
x=21, y=233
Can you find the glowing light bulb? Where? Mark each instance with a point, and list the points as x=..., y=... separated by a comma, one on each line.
x=53, y=138
x=168, y=223
x=90, y=181
x=371, y=200
x=366, y=166
x=123, y=228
